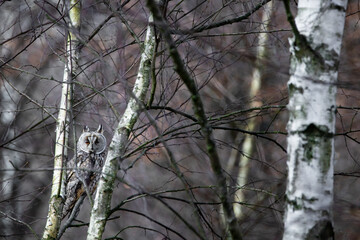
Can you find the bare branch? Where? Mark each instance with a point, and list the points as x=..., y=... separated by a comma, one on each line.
x=180, y=69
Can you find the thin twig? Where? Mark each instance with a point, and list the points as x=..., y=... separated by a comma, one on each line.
x=20, y=222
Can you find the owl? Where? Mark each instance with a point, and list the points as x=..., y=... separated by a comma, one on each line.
x=84, y=169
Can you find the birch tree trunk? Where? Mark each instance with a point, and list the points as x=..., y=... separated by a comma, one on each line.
x=248, y=144
x=315, y=50
x=119, y=141
x=62, y=127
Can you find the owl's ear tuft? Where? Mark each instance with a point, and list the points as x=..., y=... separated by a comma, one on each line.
x=100, y=129
x=86, y=129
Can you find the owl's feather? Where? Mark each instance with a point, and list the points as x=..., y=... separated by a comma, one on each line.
x=84, y=170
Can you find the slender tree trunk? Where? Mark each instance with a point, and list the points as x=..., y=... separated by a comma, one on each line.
x=248, y=144
x=119, y=141
x=62, y=127
x=315, y=51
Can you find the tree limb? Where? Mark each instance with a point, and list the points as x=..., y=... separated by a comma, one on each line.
x=198, y=107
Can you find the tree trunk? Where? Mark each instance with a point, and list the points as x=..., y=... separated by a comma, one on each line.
x=62, y=127
x=119, y=141
x=315, y=50
x=248, y=144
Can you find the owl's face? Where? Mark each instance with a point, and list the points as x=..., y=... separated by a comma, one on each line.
x=92, y=142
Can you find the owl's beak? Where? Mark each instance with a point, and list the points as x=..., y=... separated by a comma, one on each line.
x=91, y=143
x=91, y=148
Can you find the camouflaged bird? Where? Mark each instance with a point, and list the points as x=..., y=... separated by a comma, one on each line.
x=84, y=169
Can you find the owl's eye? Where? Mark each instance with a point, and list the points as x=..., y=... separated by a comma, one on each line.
x=87, y=142
x=96, y=141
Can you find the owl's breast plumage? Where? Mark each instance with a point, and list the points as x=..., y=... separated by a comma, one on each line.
x=84, y=172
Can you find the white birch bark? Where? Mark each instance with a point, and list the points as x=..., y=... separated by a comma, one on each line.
x=119, y=141
x=62, y=127
x=312, y=92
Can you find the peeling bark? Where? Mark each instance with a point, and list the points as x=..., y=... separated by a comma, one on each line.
x=315, y=51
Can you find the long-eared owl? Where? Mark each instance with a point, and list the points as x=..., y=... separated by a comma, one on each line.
x=84, y=169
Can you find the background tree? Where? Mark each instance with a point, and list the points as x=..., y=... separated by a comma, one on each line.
x=243, y=157
x=217, y=42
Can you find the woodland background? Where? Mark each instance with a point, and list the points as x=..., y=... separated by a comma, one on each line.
x=221, y=59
